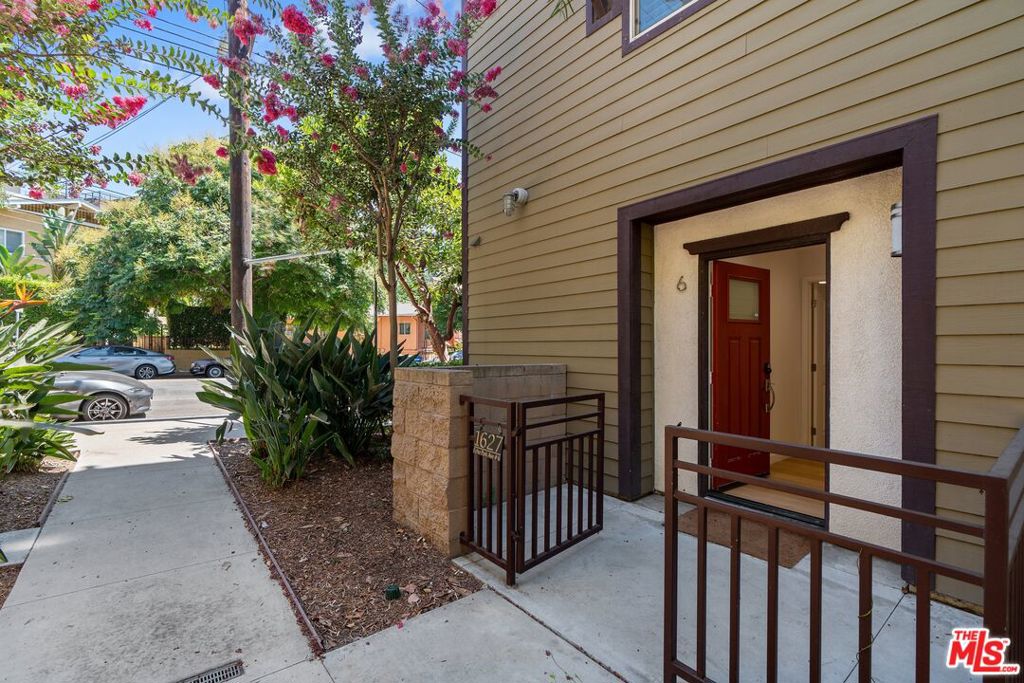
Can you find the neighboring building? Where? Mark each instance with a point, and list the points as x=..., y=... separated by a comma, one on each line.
x=412, y=333
x=761, y=151
x=20, y=216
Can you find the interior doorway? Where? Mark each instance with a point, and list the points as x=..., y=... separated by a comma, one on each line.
x=768, y=374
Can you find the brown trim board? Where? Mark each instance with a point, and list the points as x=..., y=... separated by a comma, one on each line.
x=912, y=146
x=592, y=25
x=465, y=218
x=788, y=236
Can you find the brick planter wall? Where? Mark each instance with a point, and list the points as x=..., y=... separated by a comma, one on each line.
x=429, y=441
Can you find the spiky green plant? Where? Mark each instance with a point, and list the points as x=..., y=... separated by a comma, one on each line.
x=304, y=393
x=56, y=235
x=17, y=264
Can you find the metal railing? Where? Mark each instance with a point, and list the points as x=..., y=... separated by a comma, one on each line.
x=1002, y=578
x=531, y=497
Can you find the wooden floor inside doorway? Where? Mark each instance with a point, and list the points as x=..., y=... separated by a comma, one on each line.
x=794, y=471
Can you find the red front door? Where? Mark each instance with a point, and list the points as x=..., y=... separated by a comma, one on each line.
x=740, y=364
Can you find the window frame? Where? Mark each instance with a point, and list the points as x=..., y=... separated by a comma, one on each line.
x=407, y=326
x=3, y=234
x=614, y=10
x=631, y=42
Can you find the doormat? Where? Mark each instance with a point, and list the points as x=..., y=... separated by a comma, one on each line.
x=753, y=537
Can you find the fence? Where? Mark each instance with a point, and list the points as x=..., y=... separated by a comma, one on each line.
x=1002, y=578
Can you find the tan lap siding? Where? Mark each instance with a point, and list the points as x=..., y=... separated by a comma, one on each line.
x=739, y=84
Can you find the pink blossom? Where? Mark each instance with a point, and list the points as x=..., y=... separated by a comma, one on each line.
x=35, y=193
x=455, y=79
x=245, y=28
x=296, y=22
x=152, y=10
x=437, y=170
x=93, y=5
x=212, y=23
x=62, y=30
x=403, y=167
x=131, y=106
x=292, y=113
x=362, y=72
x=492, y=74
x=286, y=77
x=480, y=9
x=327, y=60
x=95, y=149
x=485, y=108
x=16, y=70
x=25, y=10
x=103, y=182
x=250, y=132
x=144, y=24
x=186, y=171
x=191, y=17
x=351, y=92
x=74, y=91
x=267, y=162
x=222, y=152
x=319, y=8
x=135, y=178
x=433, y=8
x=233, y=63
x=335, y=147
x=212, y=80
x=283, y=132
x=88, y=181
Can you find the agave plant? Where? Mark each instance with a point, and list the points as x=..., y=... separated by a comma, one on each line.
x=30, y=406
x=303, y=393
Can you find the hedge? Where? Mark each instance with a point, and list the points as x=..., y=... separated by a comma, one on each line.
x=195, y=326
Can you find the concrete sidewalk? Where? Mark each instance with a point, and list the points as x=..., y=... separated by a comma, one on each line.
x=146, y=572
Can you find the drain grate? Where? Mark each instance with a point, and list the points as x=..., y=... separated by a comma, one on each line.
x=221, y=673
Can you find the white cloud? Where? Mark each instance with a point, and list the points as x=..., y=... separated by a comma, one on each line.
x=370, y=48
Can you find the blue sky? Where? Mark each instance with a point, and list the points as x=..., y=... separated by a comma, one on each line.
x=162, y=124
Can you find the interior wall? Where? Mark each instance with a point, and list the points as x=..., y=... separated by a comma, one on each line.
x=790, y=335
x=866, y=330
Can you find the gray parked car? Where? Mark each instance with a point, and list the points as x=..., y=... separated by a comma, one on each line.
x=109, y=396
x=127, y=360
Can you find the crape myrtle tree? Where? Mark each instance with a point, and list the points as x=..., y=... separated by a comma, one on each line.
x=66, y=66
x=363, y=137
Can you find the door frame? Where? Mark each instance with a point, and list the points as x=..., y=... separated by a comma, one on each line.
x=912, y=146
x=806, y=233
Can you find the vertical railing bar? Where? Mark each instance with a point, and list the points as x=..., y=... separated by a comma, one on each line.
x=558, y=498
x=997, y=559
x=533, y=501
x=671, y=574
x=864, y=618
x=471, y=530
x=814, y=660
x=772, y=631
x=590, y=481
x=600, y=460
x=518, y=469
x=490, y=505
x=735, y=530
x=702, y=590
x=923, y=625
x=501, y=506
x=579, y=492
x=568, y=488
x=547, y=497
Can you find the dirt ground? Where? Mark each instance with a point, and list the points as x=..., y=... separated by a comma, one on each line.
x=333, y=536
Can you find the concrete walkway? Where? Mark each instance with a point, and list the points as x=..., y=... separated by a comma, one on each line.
x=146, y=572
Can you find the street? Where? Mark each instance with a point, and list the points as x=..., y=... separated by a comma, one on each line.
x=175, y=397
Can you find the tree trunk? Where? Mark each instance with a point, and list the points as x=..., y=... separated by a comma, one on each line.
x=437, y=340
x=392, y=286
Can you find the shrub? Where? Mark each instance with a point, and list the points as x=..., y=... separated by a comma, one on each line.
x=28, y=400
x=304, y=393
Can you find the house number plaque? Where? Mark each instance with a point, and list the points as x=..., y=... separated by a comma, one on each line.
x=488, y=444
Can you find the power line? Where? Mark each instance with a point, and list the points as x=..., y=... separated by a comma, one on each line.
x=150, y=36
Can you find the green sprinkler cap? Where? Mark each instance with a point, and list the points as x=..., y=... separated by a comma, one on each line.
x=392, y=592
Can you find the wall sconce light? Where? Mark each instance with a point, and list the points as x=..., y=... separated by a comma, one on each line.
x=896, y=218
x=513, y=198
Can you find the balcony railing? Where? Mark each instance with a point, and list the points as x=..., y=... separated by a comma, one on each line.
x=1001, y=578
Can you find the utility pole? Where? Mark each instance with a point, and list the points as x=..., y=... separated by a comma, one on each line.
x=240, y=185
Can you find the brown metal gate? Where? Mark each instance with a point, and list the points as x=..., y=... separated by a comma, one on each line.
x=536, y=477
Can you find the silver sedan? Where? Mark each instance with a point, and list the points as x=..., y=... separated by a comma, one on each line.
x=128, y=360
x=109, y=396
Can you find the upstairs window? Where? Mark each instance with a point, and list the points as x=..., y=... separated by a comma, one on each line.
x=600, y=12
x=649, y=13
x=404, y=328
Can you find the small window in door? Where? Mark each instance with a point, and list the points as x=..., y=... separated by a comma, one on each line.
x=404, y=328
x=744, y=300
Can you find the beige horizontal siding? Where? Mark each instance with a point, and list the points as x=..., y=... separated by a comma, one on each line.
x=739, y=84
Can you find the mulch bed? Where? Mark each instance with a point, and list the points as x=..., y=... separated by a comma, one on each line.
x=7, y=577
x=23, y=498
x=333, y=536
x=23, y=495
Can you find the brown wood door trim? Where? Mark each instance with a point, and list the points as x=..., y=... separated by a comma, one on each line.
x=912, y=146
x=786, y=236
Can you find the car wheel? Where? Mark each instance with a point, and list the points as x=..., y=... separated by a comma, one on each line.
x=104, y=407
x=145, y=371
x=215, y=371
